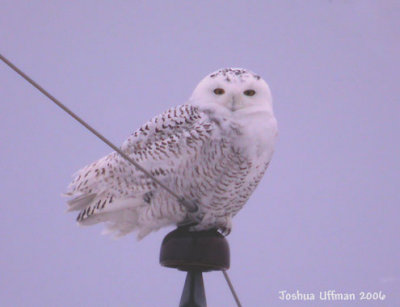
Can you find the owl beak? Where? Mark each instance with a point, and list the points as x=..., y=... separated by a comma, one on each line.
x=234, y=104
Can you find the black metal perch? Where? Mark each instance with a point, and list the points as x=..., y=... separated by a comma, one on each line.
x=195, y=253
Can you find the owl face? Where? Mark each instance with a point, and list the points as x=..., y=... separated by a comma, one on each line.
x=233, y=89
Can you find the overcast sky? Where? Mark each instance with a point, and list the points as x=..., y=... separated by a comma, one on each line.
x=325, y=216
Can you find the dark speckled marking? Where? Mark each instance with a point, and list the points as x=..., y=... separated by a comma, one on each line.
x=147, y=197
x=231, y=74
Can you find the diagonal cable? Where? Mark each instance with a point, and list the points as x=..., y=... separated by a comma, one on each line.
x=190, y=205
x=234, y=294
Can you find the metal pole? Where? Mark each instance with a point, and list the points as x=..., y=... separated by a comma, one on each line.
x=193, y=294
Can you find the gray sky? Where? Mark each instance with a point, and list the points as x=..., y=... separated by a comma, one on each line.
x=326, y=215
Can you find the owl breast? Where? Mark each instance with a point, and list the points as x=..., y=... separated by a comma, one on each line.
x=223, y=173
x=220, y=173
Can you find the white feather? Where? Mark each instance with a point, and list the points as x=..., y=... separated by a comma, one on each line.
x=213, y=150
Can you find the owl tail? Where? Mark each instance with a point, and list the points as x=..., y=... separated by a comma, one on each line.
x=120, y=215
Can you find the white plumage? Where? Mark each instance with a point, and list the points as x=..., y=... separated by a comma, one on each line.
x=212, y=150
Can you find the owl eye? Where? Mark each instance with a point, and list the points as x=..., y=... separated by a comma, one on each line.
x=219, y=91
x=249, y=92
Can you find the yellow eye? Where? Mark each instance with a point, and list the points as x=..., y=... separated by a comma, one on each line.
x=249, y=92
x=219, y=91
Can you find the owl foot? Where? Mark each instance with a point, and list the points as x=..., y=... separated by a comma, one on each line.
x=225, y=231
x=226, y=226
x=223, y=225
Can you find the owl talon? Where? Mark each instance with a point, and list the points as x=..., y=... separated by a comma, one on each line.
x=226, y=226
x=225, y=231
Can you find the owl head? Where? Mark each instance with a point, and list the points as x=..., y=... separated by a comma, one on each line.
x=233, y=91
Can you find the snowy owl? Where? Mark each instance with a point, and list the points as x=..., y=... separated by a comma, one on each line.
x=213, y=150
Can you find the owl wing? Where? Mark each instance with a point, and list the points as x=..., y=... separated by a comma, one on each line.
x=112, y=183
